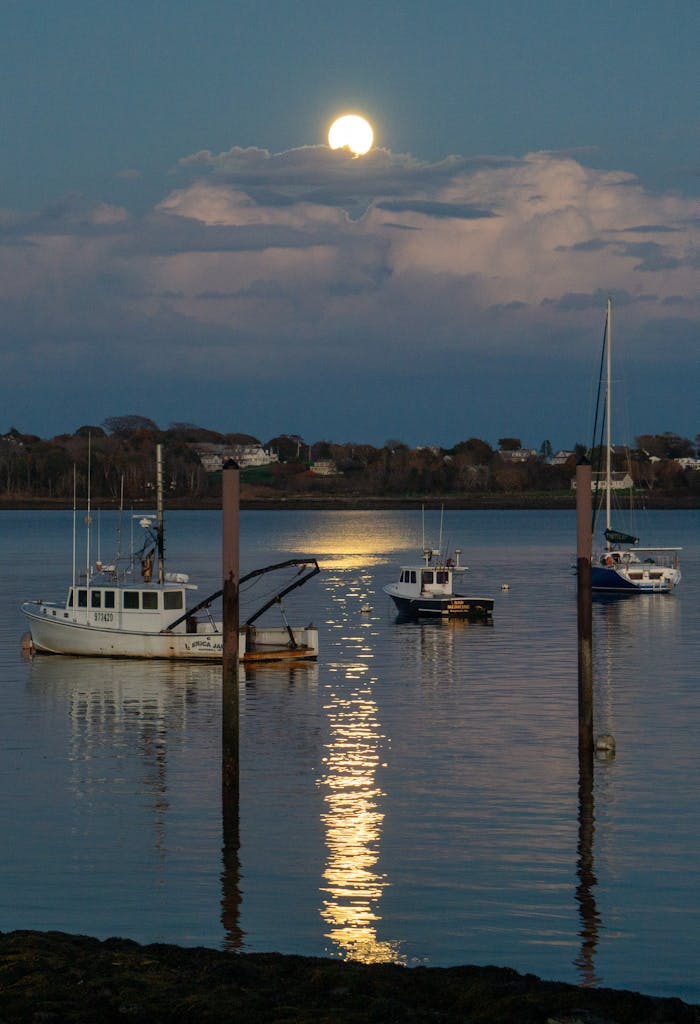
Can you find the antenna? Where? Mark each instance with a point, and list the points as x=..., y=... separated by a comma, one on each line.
x=159, y=499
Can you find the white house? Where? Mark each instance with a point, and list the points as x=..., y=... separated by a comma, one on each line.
x=213, y=456
x=618, y=482
x=324, y=467
x=518, y=455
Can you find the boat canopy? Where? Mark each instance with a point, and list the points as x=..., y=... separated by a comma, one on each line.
x=616, y=537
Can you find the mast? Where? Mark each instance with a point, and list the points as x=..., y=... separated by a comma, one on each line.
x=608, y=403
x=88, y=517
x=119, y=525
x=75, y=511
x=159, y=499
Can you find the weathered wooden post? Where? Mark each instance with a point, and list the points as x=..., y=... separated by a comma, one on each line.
x=230, y=600
x=587, y=880
x=585, y=608
x=230, y=773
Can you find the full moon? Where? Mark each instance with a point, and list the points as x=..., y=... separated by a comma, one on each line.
x=352, y=131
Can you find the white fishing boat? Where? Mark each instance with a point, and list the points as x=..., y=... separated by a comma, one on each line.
x=119, y=610
x=621, y=565
x=428, y=588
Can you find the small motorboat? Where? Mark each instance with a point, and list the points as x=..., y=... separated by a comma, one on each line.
x=427, y=589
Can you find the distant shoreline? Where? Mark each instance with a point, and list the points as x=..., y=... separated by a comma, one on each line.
x=354, y=503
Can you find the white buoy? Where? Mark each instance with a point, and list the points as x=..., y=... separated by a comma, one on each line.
x=605, y=743
x=505, y=586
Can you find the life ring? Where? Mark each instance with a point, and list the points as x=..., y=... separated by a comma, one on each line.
x=608, y=560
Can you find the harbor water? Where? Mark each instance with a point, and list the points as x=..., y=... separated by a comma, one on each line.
x=414, y=795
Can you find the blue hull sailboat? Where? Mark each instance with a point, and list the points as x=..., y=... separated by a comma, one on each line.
x=622, y=566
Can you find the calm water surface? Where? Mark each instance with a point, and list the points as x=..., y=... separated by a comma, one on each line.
x=413, y=796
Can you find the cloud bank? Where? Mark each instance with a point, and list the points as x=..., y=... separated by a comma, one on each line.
x=266, y=271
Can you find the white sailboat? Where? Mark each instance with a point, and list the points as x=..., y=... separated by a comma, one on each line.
x=622, y=566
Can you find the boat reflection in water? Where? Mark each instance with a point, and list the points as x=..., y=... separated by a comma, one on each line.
x=140, y=792
x=617, y=617
x=430, y=648
x=353, y=821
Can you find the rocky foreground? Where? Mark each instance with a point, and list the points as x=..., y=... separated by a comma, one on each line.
x=53, y=977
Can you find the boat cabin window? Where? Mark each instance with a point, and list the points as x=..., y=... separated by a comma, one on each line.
x=109, y=599
x=150, y=600
x=172, y=600
x=96, y=598
x=131, y=599
x=82, y=599
x=442, y=577
x=408, y=576
x=428, y=576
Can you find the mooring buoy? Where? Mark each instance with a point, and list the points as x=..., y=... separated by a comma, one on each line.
x=605, y=743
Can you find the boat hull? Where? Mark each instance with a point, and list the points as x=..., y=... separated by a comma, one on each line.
x=457, y=606
x=53, y=636
x=636, y=580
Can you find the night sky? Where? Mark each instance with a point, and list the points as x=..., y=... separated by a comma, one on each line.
x=177, y=239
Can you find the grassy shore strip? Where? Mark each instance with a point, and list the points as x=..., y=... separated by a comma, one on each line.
x=52, y=976
x=350, y=503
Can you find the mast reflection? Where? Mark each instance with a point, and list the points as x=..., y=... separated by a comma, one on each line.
x=353, y=820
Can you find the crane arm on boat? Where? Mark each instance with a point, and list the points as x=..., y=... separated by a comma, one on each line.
x=249, y=576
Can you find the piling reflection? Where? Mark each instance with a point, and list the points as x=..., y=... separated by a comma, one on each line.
x=585, y=891
x=353, y=821
x=230, y=807
x=617, y=618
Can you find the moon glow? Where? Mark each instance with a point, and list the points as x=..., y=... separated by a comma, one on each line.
x=352, y=131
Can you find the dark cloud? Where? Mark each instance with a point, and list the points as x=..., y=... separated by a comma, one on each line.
x=652, y=256
x=590, y=245
x=379, y=172
x=457, y=211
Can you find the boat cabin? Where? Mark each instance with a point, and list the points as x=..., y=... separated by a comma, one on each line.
x=146, y=608
x=435, y=582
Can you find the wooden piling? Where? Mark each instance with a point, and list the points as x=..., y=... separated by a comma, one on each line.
x=230, y=764
x=585, y=607
x=230, y=601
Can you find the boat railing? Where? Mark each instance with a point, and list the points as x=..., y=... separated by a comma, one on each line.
x=666, y=558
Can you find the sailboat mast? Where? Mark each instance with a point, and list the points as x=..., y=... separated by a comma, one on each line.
x=88, y=517
x=159, y=499
x=608, y=408
x=75, y=512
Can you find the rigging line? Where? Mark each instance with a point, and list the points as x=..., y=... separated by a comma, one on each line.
x=602, y=424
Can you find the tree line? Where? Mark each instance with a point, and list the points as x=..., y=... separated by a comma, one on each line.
x=116, y=460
